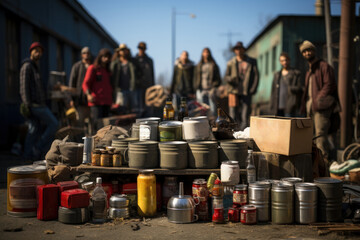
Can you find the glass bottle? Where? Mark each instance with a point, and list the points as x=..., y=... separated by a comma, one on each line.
x=146, y=190
x=221, y=121
x=99, y=202
x=250, y=168
x=183, y=112
x=169, y=112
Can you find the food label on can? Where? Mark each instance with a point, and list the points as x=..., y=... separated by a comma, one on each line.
x=248, y=217
x=240, y=198
x=144, y=132
x=200, y=192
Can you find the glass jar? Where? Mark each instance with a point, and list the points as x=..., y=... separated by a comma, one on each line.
x=218, y=189
x=218, y=209
x=95, y=157
x=105, y=158
x=117, y=161
x=248, y=215
x=146, y=190
x=240, y=195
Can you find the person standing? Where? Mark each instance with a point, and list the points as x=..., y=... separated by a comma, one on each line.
x=206, y=79
x=147, y=79
x=320, y=98
x=125, y=79
x=182, y=81
x=97, y=87
x=76, y=80
x=242, y=78
x=286, y=90
x=42, y=122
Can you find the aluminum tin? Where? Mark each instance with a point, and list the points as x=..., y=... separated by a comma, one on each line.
x=259, y=196
x=305, y=203
x=119, y=201
x=119, y=212
x=282, y=203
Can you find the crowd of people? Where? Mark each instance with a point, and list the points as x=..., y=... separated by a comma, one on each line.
x=122, y=79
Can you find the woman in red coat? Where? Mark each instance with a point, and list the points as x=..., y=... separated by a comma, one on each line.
x=97, y=87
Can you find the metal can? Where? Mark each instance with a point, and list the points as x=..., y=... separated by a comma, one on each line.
x=200, y=195
x=233, y=215
x=240, y=194
x=105, y=158
x=117, y=161
x=95, y=157
x=218, y=209
x=248, y=215
x=211, y=181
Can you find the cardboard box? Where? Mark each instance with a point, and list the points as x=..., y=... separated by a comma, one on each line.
x=286, y=136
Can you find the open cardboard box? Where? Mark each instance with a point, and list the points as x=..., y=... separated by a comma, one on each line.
x=282, y=135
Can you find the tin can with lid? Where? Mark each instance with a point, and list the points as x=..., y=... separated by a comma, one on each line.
x=282, y=203
x=240, y=195
x=200, y=195
x=259, y=196
x=248, y=215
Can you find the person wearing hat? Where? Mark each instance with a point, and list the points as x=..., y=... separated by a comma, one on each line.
x=125, y=79
x=42, y=123
x=242, y=79
x=147, y=79
x=320, y=99
x=76, y=80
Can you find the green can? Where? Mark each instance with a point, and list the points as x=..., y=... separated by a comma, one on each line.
x=170, y=131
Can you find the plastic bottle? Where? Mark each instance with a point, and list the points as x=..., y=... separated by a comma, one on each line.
x=99, y=202
x=169, y=112
x=250, y=168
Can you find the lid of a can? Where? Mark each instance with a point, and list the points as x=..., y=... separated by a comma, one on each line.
x=248, y=207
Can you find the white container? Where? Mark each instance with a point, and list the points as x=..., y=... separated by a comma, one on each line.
x=230, y=172
x=148, y=130
x=196, y=128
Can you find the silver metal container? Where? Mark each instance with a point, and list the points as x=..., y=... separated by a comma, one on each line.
x=305, y=203
x=73, y=215
x=292, y=180
x=148, y=130
x=259, y=196
x=119, y=212
x=119, y=201
x=330, y=194
x=181, y=208
x=282, y=203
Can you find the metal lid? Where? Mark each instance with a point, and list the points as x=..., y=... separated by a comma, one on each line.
x=146, y=171
x=327, y=180
x=149, y=123
x=170, y=124
x=201, y=143
x=241, y=187
x=200, y=118
x=282, y=185
x=292, y=179
x=144, y=143
x=260, y=184
x=173, y=143
x=199, y=181
x=119, y=200
x=230, y=163
x=248, y=207
x=27, y=169
x=156, y=119
x=305, y=185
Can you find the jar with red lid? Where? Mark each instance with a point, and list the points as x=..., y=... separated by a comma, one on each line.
x=248, y=214
x=240, y=195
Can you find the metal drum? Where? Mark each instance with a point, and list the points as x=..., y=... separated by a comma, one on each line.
x=233, y=150
x=329, y=199
x=22, y=182
x=305, y=203
x=143, y=154
x=282, y=203
x=203, y=154
x=173, y=154
x=292, y=180
x=259, y=196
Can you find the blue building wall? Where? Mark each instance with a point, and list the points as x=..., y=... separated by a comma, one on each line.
x=54, y=23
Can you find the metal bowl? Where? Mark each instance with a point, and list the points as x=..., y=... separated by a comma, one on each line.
x=181, y=209
x=119, y=212
x=119, y=201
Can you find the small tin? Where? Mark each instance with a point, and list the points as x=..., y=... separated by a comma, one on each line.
x=233, y=215
x=248, y=215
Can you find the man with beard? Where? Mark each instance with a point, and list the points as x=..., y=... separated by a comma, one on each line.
x=320, y=98
x=42, y=122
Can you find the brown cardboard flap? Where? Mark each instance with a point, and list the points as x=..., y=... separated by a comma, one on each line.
x=303, y=123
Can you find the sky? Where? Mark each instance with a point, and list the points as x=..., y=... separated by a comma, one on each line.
x=133, y=21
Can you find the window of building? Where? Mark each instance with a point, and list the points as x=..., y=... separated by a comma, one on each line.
x=266, y=63
x=12, y=67
x=274, y=59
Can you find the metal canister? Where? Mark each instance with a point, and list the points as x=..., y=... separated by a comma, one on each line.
x=329, y=199
x=240, y=194
x=292, y=180
x=105, y=158
x=148, y=130
x=282, y=203
x=305, y=203
x=248, y=215
x=200, y=195
x=259, y=196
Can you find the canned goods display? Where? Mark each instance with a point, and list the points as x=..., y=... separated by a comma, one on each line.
x=248, y=215
x=240, y=194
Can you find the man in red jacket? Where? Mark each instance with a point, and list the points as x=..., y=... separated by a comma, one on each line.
x=320, y=98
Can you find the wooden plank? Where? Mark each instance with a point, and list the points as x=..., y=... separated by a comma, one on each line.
x=353, y=229
x=158, y=171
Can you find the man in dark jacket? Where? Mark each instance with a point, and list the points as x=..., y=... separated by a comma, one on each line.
x=320, y=98
x=242, y=78
x=42, y=123
x=76, y=79
x=286, y=90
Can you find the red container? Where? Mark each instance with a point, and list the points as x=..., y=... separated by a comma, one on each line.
x=248, y=215
x=75, y=198
x=240, y=195
x=218, y=215
x=67, y=185
x=233, y=215
x=48, y=202
x=200, y=194
x=129, y=188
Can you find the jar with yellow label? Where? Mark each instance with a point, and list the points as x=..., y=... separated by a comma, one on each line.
x=146, y=189
x=117, y=161
x=95, y=157
x=105, y=158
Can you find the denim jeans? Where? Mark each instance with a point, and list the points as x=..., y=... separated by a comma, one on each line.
x=204, y=96
x=42, y=128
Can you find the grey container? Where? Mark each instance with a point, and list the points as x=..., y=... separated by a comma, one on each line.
x=233, y=150
x=122, y=145
x=143, y=154
x=73, y=216
x=119, y=212
x=330, y=194
x=173, y=154
x=203, y=154
x=305, y=203
x=259, y=196
x=282, y=203
x=135, y=130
